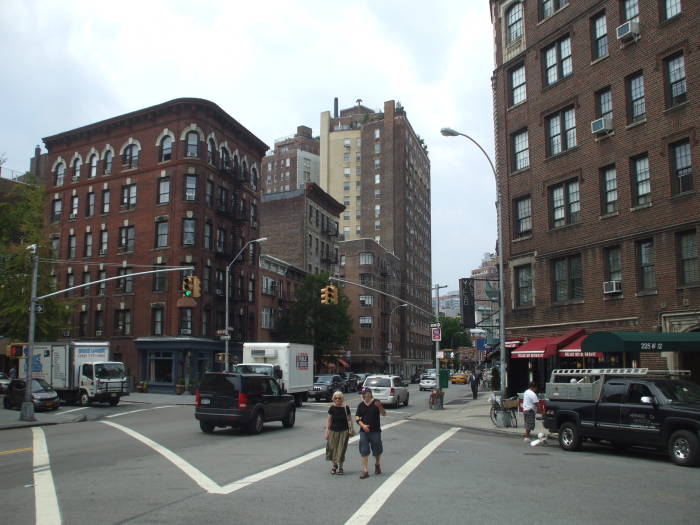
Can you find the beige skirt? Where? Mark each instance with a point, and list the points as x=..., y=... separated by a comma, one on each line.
x=336, y=446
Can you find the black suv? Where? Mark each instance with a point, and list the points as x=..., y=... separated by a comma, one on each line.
x=326, y=385
x=242, y=400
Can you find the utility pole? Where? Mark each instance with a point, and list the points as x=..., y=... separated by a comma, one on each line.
x=437, y=343
x=27, y=410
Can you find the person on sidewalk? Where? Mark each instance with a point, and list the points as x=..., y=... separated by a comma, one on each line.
x=474, y=381
x=530, y=400
x=367, y=416
x=337, y=433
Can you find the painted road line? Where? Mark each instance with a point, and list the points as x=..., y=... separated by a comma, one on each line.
x=370, y=507
x=47, y=511
x=72, y=410
x=15, y=451
x=139, y=410
x=211, y=486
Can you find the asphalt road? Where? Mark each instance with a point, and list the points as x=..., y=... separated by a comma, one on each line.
x=151, y=464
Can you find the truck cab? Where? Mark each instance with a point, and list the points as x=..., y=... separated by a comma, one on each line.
x=102, y=381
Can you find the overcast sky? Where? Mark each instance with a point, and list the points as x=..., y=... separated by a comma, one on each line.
x=272, y=66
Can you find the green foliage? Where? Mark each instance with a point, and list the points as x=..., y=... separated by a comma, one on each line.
x=453, y=335
x=21, y=216
x=327, y=327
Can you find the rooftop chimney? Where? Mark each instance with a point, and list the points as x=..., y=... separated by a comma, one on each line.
x=335, y=107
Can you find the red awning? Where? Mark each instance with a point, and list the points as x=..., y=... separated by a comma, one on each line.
x=537, y=348
x=573, y=349
x=343, y=362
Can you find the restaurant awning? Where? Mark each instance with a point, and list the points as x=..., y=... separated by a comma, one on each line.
x=573, y=349
x=642, y=342
x=539, y=347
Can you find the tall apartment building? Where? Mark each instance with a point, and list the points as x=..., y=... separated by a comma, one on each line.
x=169, y=185
x=377, y=166
x=596, y=108
x=293, y=163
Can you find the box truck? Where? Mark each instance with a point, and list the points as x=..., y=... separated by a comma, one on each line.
x=291, y=364
x=80, y=371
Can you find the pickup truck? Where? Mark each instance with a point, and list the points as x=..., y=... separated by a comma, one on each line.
x=626, y=407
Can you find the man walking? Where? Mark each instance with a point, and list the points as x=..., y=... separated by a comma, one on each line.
x=474, y=381
x=530, y=400
x=367, y=416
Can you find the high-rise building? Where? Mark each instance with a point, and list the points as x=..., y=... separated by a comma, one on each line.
x=175, y=184
x=596, y=112
x=378, y=167
x=292, y=164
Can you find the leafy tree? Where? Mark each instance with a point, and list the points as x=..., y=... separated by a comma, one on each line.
x=453, y=335
x=22, y=219
x=327, y=327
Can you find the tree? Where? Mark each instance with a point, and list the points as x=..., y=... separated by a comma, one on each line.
x=327, y=327
x=22, y=219
x=453, y=334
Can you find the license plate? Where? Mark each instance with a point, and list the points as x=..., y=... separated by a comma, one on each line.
x=205, y=401
x=50, y=403
x=113, y=395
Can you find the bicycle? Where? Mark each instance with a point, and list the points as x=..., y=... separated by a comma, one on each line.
x=509, y=409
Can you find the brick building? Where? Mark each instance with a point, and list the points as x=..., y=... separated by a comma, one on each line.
x=173, y=184
x=293, y=163
x=596, y=112
x=378, y=167
x=279, y=282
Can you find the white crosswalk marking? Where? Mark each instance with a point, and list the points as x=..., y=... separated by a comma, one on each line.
x=45, y=501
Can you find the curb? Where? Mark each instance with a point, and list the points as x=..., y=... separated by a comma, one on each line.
x=30, y=424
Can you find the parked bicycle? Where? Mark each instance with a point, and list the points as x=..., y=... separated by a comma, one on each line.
x=508, y=408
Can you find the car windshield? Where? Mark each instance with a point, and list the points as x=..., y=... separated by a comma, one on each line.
x=3, y=376
x=39, y=385
x=679, y=391
x=253, y=369
x=378, y=381
x=109, y=371
x=323, y=379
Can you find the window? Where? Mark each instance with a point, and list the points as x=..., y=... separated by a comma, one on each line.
x=565, y=203
x=77, y=164
x=365, y=321
x=523, y=280
x=613, y=392
x=603, y=103
x=520, y=150
x=366, y=258
x=549, y=7
x=366, y=279
x=561, y=131
x=646, y=265
x=630, y=11
x=127, y=238
x=190, y=187
x=166, y=149
x=557, y=61
x=366, y=344
x=185, y=321
x=82, y=323
x=207, y=235
x=599, y=36
x=366, y=300
x=636, y=105
x=125, y=285
x=377, y=164
x=613, y=263
x=378, y=147
x=377, y=194
x=675, y=80
x=105, y=201
x=251, y=289
x=518, y=92
x=266, y=318
x=163, y=190
x=636, y=392
x=211, y=151
x=59, y=174
x=108, y=162
x=568, y=278
x=346, y=186
x=161, y=234
x=99, y=321
x=129, y=196
x=220, y=240
x=88, y=244
x=90, y=204
x=104, y=242
x=514, y=23
x=74, y=205
x=641, y=180
x=346, y=156
x=56, y=208
x=223, y=198
x=681, y=166
x=102, y=286
x=157, y=318
x=377, y=179
x=377, y=210
x=188, y=232
x=688, y=257
x=55, y=247
x=671, y=8
x=122, y=322
x=608, y=183
x=377, y=135
x=192, y=147
x=93, y=166
x=71, y=246
x=130, y=158
x=523, y=216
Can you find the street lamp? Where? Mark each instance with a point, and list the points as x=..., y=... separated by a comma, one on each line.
x=449, y=132
x=227, y=335
x=390, y=327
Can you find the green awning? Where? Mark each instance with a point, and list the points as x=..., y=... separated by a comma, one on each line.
x=642, y=342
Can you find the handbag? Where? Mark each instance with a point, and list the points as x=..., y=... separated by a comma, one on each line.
x=351, y=425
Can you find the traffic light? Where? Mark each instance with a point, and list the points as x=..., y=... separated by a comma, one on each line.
x=332, y=294
x=325, y=294
x=188, y=286
x=17, y=350
x=197, y=291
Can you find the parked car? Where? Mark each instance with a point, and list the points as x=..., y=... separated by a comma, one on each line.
x=352, y=381
x=459, y=377
x=43, y=396
x=390, y=390
x=326, y=385
x=4, y=382
x=427, y=382
x=361, y=376
x=242, y=400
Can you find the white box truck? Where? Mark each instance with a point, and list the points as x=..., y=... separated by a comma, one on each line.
x=292, y=364
x=80, y=371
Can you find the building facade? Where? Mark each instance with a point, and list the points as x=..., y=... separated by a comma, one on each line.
x=378, y=167
x=596, y=113
x=279, y=282
x=293, y=163
x=175, y=184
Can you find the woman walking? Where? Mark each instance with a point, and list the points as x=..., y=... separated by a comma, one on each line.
x=337, y=433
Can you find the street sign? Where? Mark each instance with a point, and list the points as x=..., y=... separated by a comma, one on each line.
x=436, y=334
x=38, y=308
x=435, y=325
x=225, y=337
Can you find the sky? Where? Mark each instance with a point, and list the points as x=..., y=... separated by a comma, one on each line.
x=271, y=65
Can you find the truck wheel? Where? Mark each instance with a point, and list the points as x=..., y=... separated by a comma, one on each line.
x=256, y=424
x=290, y=418
x=206, y=427
x=84, y=399
x=569, y=437
x=114, y=402
x=684, y=448
x=298, y=401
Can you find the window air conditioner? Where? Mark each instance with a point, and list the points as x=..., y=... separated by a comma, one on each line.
x=76, y=178
x=189, y=196
x=610, y=287
x=98, y=333
x=188, y=242
x=628, y=31
x=191, y=153
x=186, y=331
x=73, y=216
x=160, y=218
x=103, y=251
x=219, y=291
x=602, y=125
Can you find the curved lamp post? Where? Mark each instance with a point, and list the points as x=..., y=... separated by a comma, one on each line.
x=227, y=336
x=449, y=132
x=390, y=330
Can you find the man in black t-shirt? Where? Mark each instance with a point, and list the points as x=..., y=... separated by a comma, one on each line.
x=367, y=416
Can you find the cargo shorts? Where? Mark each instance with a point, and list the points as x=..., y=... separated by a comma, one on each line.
x=371, y=440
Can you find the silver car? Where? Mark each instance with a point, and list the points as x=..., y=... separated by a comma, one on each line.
x=390, y=390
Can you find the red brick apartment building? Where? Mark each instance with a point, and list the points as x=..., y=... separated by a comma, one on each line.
x=173, y=184
x=596, y=111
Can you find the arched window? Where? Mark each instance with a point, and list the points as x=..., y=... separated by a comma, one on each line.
x=60, y=174
x=211, y=152
x=225, y=159
x=131, y=156
x=514, y=22
x=166, y=148
x=254, y=178
x=192, y=144
x=77, y=163
x=93, y=165
x=108, y=162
